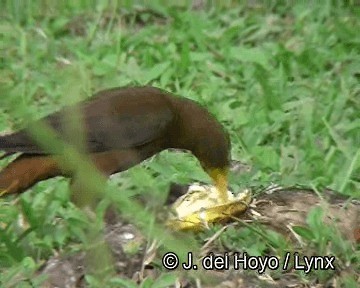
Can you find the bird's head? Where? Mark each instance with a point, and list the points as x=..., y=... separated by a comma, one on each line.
x=214, y=157
x=206, y=138
x=198, y=131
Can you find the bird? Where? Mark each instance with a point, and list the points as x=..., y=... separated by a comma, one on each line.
x=122, y=127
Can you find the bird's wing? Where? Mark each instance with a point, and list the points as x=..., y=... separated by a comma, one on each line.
x=126, y=126
x=118, y=119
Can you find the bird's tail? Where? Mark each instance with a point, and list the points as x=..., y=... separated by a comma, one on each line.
x=18, y=142
x=25, y=171
x=7, y=154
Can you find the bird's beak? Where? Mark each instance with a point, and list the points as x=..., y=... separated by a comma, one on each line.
x=220, y=178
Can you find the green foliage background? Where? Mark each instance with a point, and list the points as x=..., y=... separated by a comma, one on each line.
x=283, y=77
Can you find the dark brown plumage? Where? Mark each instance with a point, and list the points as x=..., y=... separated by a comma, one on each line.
x=122, y=127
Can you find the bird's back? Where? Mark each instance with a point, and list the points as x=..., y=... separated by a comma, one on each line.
x=116, y=118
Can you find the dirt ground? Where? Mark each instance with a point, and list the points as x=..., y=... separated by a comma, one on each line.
x=279, y=209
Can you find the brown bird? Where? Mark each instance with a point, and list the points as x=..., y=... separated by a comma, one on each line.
x=123, y=127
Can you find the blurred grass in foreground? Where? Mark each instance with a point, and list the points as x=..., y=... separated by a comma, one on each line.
x=283, y=78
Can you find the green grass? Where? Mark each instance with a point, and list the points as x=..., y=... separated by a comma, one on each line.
x=283, y=78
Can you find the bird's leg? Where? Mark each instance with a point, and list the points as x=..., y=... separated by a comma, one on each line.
x=220, y=178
